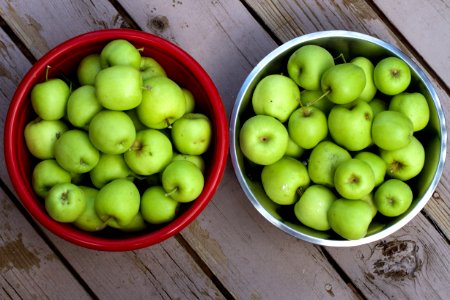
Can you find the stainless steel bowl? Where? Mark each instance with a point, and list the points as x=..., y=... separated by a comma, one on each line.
x=351, y=44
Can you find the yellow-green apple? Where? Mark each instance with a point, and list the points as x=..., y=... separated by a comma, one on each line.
x=41, y=135
x=75, y=152
x=405, y=163
x=294, y=150
x=307, y=126
x=307, y=64
x=190, y=100
x=65, y=202
x=112, y=132
x=120, y=52
x=108, y=168
x=191, y=134
x=82, y=106
x=46, y=174
x=323, y=160
x=370, y=89
x=393, y=197
x=88, y=220
x=149, y=67
x=369, y=198
x=88, y=68
x=119, y=87
x=312, y=207
x=343, y=83
x=354, y=179
x=117, y=202
x=350, y=127
x=414, y=106
x=377, y=164
x=285, y=180
x=49, y=98
x=195, y=159
x=314, y=98
x=150, y=152
x=391, y=130
x=377, y=105
x=182, y=180
x=263, y=139
x=276, y=95
x=391, y=76
x=157, y=207
x=163, y=102
x=350, y=218
x=137, y=224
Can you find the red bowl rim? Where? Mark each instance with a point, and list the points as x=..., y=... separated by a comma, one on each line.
x=86, y=239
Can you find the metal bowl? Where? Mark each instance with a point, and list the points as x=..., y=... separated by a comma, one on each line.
x=350, y=44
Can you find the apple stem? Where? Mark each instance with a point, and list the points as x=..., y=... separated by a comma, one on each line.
x=168, y=194
x=341, y=55
x=47, y=69
x=320, y=98
x=140, y=49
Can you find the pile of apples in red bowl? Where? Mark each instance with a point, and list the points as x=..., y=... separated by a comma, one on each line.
x=338, y=138
x=116, y=140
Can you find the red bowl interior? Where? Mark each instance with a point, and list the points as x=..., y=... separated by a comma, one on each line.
x=64, y=58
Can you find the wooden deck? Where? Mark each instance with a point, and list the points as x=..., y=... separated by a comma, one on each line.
x=230, y=251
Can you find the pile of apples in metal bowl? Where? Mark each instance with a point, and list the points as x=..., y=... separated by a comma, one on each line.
x=338, y=138
x=116, y=140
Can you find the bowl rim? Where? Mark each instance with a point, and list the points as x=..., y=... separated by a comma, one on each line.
x=86, y=239
x=292, y=44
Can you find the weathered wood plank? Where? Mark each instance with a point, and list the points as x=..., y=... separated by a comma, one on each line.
x=410, y=264
x=165, y=271
x=29, y=269
x=426, y=26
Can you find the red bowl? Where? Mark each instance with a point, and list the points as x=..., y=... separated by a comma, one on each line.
x=63, y=59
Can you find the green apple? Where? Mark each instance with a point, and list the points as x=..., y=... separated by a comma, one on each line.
x=307, y=126
x=307, y=64
x=150, y=152
x=370, y=89
x=377, y=105
x=343, y=83
x=351, y=126
x=65, y=202
x=377, y=164
x=354, y=179
x=49, y=98
x=88, y=68
x=75, y=152
x=195, y=159
x=120, y=52
x=285, y=180
x=149, y=67
x=294, y=150
x=391, y=76
x=157, y=207
x=163, y=102
x=112, y=132
x=46, y=174
x=119, y=87
x=277, y=96
x=108, y=168
x=137, y=224
x=117, y=202
x=369, y=198
x=323, y=160
x=263, y=139
x=312, y=207
x=182, y=180
x=392, y=130
x=414, y=106
x=191, y=134
x=88, y=220
x=393, y=197
x=350, y=218
x=132, y=113
x=190, y=100
x=405, y=163
x=82, y=106
x=41, y=135
x=314, y=98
